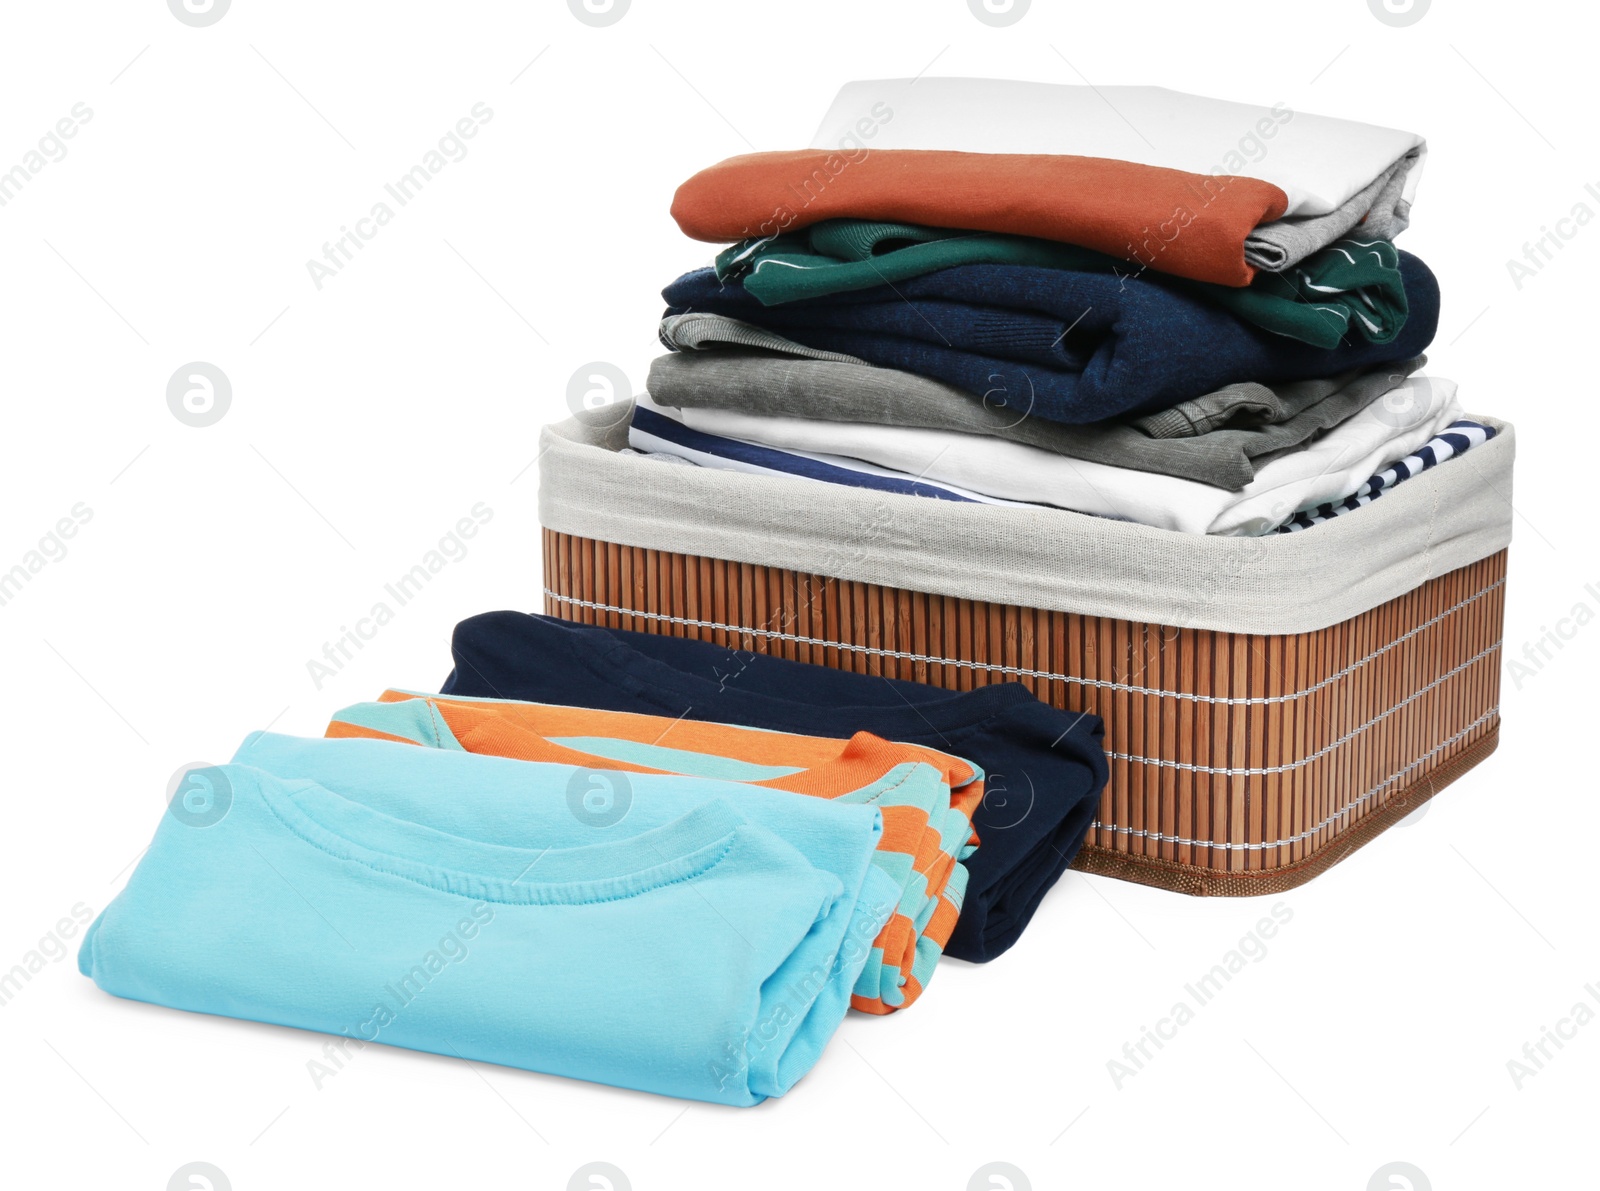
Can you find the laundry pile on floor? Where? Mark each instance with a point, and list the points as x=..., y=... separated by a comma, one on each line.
x=1121, y=301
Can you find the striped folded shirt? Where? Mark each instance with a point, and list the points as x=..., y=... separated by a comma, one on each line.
x=926, y=797
x=1455, y=439
x=654, y=434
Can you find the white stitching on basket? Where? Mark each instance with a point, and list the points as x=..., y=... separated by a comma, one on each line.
x=1099, y=683
x=1310, y=831
x=1163, y=763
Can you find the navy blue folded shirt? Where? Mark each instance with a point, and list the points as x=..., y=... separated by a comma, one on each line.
x=1044, y=767
x=1066, y=346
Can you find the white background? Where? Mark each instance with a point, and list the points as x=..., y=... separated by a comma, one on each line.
x=369, y=416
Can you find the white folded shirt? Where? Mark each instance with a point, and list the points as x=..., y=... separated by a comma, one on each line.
x=1329, y=468
x=1318, y=161
x=651, y=446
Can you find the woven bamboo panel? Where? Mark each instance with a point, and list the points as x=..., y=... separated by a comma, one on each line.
x=1240, y=764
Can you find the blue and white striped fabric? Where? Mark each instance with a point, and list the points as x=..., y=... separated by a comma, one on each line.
x=1453, y=440
x=656, y=434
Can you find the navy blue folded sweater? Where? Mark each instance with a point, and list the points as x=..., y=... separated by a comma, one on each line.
x=1067, y=346
x=1044, y=768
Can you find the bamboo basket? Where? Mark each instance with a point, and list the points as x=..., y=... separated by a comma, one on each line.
x=1240, y=764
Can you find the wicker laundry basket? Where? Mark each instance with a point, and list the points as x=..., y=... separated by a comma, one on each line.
x=1251, y=746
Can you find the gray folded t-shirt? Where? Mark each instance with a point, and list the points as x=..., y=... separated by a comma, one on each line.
x=1218, y=439
x=1378, y=211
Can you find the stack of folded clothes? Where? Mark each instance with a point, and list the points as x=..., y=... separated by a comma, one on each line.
x=673, y=867
x=1124, y=301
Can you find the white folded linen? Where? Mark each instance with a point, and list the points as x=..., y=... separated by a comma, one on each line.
x=1319, y=162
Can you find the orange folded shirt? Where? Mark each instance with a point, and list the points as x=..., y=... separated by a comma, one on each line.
x=1190, y=225
x=822, y=767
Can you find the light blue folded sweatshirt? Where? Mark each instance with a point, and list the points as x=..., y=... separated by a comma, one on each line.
x=466, y=905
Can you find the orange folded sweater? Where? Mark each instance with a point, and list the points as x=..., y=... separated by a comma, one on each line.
x=1190, y=225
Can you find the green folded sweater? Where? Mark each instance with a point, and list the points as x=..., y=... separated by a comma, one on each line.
x=1347, y=291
